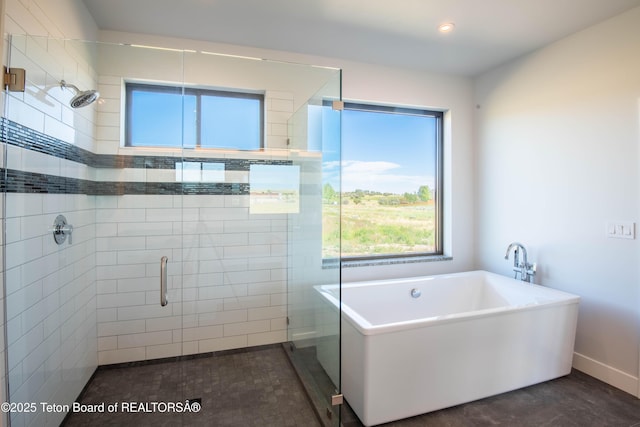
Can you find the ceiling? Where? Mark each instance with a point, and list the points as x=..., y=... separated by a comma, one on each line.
x=399, y=33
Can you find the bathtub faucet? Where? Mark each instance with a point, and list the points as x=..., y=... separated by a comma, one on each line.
x=526, y=270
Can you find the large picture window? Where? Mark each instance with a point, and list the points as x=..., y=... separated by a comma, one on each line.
x=168, y=116
x=391, y=184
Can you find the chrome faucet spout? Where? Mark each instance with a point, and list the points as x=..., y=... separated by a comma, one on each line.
x=526, y=270
x=516, y=258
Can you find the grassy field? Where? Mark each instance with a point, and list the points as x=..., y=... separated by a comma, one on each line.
x=370, y=228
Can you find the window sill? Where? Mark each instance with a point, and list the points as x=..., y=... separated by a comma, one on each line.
x=334, y=262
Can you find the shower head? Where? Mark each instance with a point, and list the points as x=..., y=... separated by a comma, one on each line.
x=82, y=98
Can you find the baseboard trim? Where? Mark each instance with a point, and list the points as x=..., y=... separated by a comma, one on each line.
x=607, y=374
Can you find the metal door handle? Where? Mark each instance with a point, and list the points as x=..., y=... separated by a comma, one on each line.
x=163, y=281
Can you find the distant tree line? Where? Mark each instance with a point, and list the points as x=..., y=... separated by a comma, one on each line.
x=329, y=195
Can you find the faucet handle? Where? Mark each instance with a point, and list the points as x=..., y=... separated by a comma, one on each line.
x=529, y=271
x=61, y=230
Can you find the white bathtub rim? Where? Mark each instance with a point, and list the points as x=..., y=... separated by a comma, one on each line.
x=366, y=328
x=419, y=279
x=483, y=273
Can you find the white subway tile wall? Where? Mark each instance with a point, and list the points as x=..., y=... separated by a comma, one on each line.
x=211, y=301
x=223, y=262
x=51, y=299
x=51, y=290
x=227, y=269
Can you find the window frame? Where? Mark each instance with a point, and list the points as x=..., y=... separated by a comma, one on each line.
x=439, y=180
x=130, y=86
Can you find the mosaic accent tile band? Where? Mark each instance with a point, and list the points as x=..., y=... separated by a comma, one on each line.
x=12, y=181
x=16, y=181
x=24, y=137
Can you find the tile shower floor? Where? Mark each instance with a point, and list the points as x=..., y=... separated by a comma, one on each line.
x=253, y=387
x=258, y=387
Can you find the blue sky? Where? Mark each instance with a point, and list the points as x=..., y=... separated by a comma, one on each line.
x=227, y=121
x=383, y=152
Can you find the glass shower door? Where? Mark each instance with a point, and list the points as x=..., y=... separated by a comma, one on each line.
x=141, y=139
x=253, y=236
x=314, y=281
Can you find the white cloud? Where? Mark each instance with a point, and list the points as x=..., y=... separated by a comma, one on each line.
x=327, y=166
x=354, y=167
x=373, y=176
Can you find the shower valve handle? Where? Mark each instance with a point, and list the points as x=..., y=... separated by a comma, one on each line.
x=61, y=230
x=67, y=230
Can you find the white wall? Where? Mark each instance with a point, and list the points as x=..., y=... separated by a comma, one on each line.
x=454, y=96
x=557, y=157
x=59, y=19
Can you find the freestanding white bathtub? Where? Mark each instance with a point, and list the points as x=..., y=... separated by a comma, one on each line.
x=467, y=336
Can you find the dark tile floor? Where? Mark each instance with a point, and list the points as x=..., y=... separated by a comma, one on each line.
x=576, y=400
x=255, y=387
x=258, y=387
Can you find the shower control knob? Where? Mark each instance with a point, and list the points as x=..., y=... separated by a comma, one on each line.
x=61, y=230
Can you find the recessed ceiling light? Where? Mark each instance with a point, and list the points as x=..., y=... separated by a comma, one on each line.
x=447, y=27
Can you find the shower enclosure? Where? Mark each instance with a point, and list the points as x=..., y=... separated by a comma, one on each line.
x=237, y=236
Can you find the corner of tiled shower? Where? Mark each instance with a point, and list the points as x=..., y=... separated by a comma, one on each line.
x=94, y=302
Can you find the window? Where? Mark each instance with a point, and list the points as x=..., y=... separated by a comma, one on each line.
x=170, y=116
x=391, y=185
